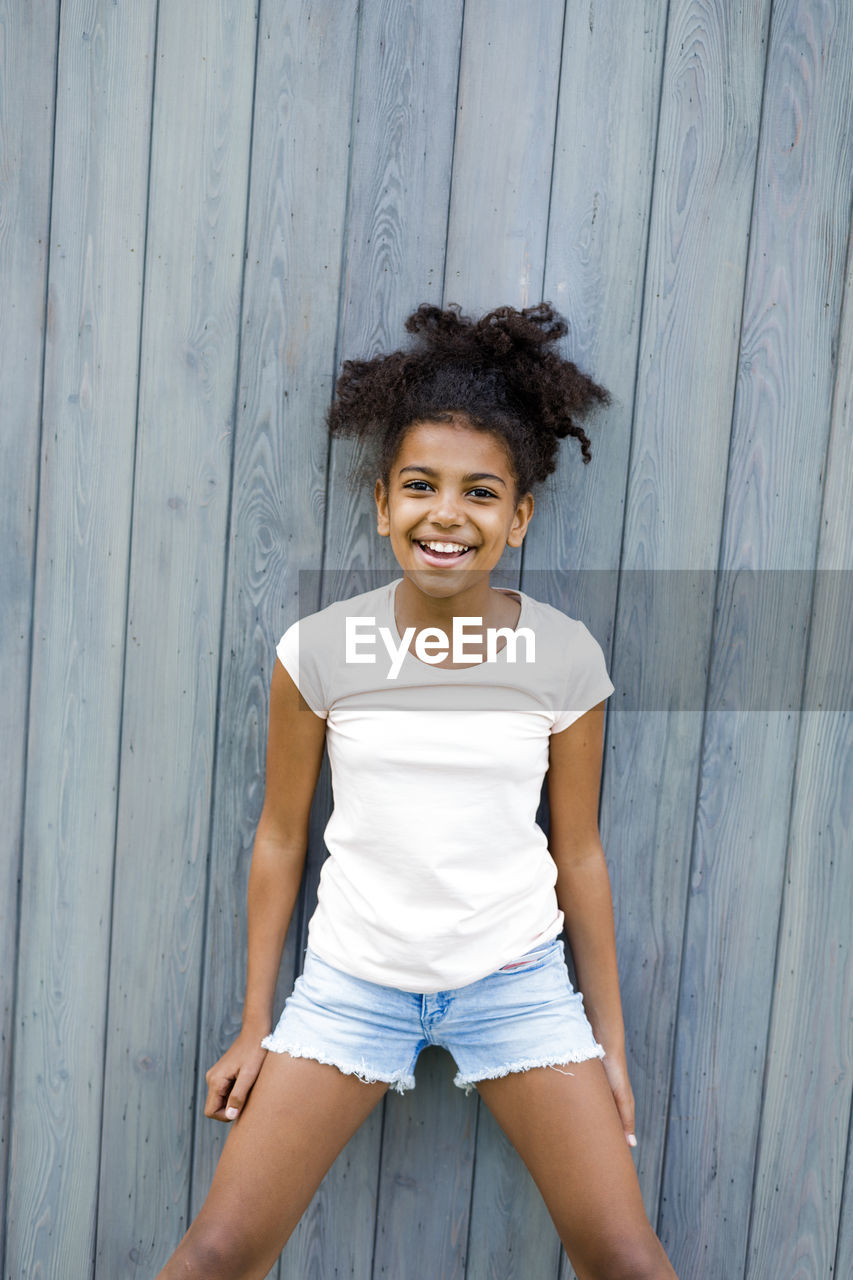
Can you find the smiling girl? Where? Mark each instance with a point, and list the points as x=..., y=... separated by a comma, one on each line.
x=441, y=904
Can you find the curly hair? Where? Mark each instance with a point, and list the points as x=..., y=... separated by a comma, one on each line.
x=498, y=372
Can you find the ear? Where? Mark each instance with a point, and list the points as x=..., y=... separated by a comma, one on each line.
x=380, y=495
x=520, y=521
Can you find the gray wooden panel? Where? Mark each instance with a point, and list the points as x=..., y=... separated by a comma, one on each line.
x=425, y=1185
x=512, y=1235
x=28, y=50
x=194, y=267
x=844, y=1251
x=402, y=150
x=781, y=425
x=97, y=232
x=704, y=173
x=807, y=1094
x=597, y=239
x=290, y=311
x=508, y=82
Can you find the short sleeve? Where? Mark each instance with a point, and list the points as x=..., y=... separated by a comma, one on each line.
x=301, y=661
x=586, y=680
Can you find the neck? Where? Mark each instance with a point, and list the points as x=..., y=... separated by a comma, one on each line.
x=414, y=608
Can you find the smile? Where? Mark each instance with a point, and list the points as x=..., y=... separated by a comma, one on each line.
x=442, y=552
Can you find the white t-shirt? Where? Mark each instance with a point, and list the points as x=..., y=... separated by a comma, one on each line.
x=438, y=873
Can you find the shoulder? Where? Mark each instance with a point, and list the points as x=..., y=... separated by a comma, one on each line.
x=554, y=626
x=328, y=625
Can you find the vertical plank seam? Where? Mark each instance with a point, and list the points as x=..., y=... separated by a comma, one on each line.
x=713, y=636
x=521, y=577
x=845, y=1181
x=797, y=761
x=378, y=1185
x=640, y=330
x=226, y=559
x=471, y=1187
x=13, y=1021
x=342, y=293
x=608, y=719
x=453, y=154
x=121, y=696
x=842, y=1212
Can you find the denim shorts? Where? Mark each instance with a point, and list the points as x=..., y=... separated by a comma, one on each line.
x=524, y=1015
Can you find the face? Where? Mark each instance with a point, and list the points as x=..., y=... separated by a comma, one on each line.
x=450, y=507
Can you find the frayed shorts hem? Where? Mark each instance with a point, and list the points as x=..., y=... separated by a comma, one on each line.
x=400, y=1081
x=469, y=1081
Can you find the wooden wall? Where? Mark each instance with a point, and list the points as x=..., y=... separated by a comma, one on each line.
x=203, y=210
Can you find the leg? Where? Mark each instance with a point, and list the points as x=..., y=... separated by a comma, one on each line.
x=299, y=1115
x=567, y=1131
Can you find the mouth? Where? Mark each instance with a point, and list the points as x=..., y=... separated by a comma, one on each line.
x=440, y=552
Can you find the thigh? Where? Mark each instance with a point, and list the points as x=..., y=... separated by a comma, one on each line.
x=297, y=1118
x=565, y=1126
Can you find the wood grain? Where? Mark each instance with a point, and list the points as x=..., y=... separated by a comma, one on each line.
x=402, y=149
x=296, y=218
x=805, y=1109
x=776, y=471
x=94, y=296
x=427, y=1166
x=27, y=100
x=194, y=269
x=704, y=174
x=598, y=230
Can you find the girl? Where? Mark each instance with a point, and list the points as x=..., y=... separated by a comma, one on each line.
x=443, y=703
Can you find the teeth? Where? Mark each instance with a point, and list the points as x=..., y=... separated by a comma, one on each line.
x=445, y=546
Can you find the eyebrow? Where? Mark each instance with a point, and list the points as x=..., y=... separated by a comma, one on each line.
x=476, y=475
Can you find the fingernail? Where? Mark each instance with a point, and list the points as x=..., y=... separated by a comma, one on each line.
x=632, y=1140
x=231, y=1113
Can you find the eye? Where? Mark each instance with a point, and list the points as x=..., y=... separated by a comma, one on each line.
x=480, y=492
x=419, y=486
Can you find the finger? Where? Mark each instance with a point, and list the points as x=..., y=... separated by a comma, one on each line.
x=237, y=1097
x=625, y=1105
x=218, y=1090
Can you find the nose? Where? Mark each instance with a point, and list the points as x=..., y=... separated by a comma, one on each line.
x=445, y=509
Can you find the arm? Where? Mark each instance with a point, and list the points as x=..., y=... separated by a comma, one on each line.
x=294, y=755
x=583, y=892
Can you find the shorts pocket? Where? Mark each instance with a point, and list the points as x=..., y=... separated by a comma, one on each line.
x=535, y=958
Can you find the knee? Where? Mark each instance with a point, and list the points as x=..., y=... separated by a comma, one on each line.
x=633, y=1259
x=209, y=1252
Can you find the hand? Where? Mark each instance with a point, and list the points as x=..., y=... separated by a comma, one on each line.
x=230, y=1079
x=616, y=1069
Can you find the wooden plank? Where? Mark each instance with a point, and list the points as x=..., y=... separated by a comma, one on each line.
x=427, y=1166
x=704, y=172
x=512, y=1235
x=95, y=286
x=781, y=425
x=597, y=238
x=289, y=319
x=402, y=147
x=28, y=52
x=194, y=268
x=508, y=83
x=402, y=150
x=801, y=1154
x=844, y=1252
